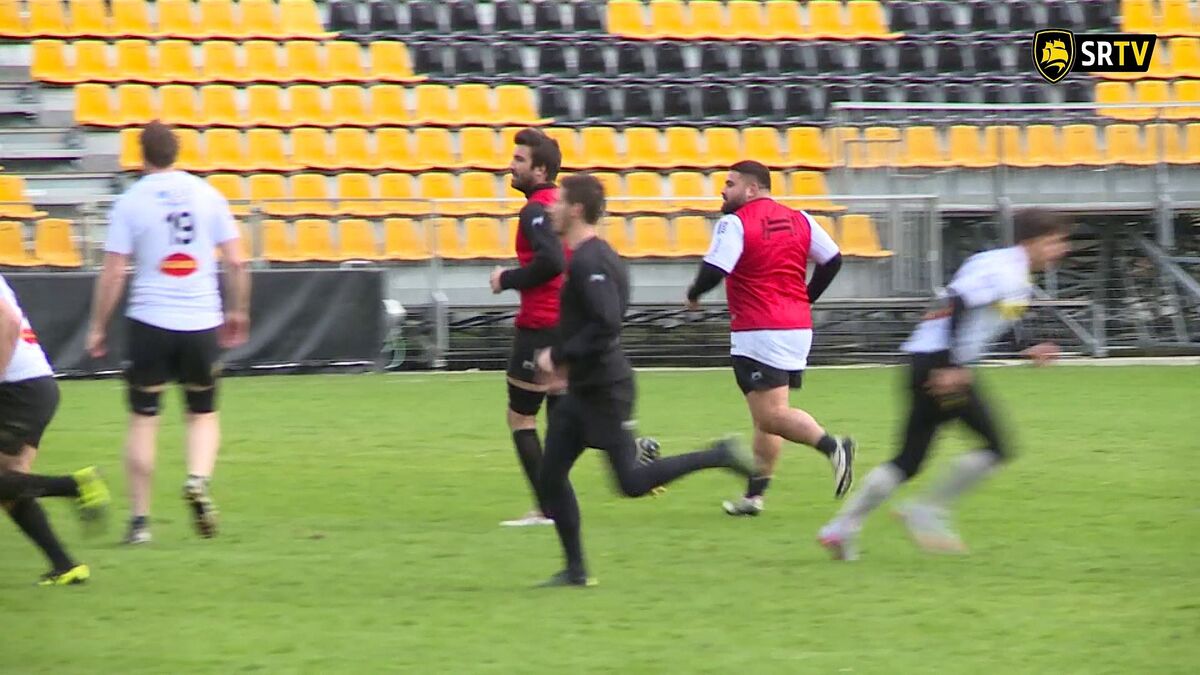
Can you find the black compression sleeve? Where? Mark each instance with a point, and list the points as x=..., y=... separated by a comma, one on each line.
x=548, y=260
x=707, y=278
x=823, y=276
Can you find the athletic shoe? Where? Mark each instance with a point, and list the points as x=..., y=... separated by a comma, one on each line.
x=76, y=575
x=744, y=506
x=93, y=500
x=137, y=535
x=568, y=578
x=737, y=457
x=841, y=542
x=649, y=450
x=842, y=460
x=930, y=529
x=530, y=519
x=204, y=512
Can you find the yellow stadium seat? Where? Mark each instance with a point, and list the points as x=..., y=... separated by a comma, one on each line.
x=390, y=63
x=217, y=20
x=1080, y=147
x=356, y=195
x=643, y=149
x=614, y=187
x=134, y=63
x=439, y=186
x=300, y=18
x=724, y=146
x=434, y=149
x=599, y=146
x=224, y=151
x=516, y=106
x=1009, y=146
x=348, y=106
x=262, y=62
x=1043, y=147
x=506, y=139
x=472, y=103
x=481, y=188
x=259, y=20
x=1119, y=92
x=405, y=239
x=922, y=148
x=389, y=105
x=684, y=147
x=13, y=202
x=706, y=19
x=310, y=148
x=219, y=59
x=352, y=150
x=859, y=238
x=434, y=104
x=175, y=62
x=969, y=149
x=393, y=147
x=626, y=18
x=763, y=144
x=12, y=246
x=130, y=18
x=827, y=19
x=644, y=189
x=669, y=18
x=190, y=157
x=651, y=238
x=1185, y=57
x=178, y=105
x=344, y=59
x=48, y=19
x=277, y=242
x=1137, y=16
x=92, y=62
x=866, y=20
x=53, y=244
x=130, y=158
x=310, y=195
x=447, y=239
x=845, y=145
x=484, y=239
x=1162, y=143
x=135, y=104
x=269, y=193
x=306, y=106
x=175, y=19
x=303, y=61
x=1153, y=91
x=233, y=188
x=692, y=236
x=265, y=151
x=1123, y=145
x=806, y=147
x=401, y=192
x=880, y=147
x=614, y=231
x=12, y=23
x=746, y=20
x=477, y=149
x=264, y=106
x=356, y=240
x=89, y=18
x=1180, y=149
x=826, y=223
x=49, y=63
x=810, y=191
x=219, y=106
x=690, y=192
x=1177, y=18
x=1185, y=91
x=716, y=186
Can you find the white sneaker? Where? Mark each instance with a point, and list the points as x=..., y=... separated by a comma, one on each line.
x=746, y=506
x=840, y=541
x=527, y=520
x=930, y=529
x=842, y=460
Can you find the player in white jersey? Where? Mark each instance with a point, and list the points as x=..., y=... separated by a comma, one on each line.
x=170, y=224
x=988, y=293
x=28, y=399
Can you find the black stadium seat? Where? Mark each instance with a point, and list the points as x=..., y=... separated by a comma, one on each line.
x=875, y=93
x=830, y=58
x=1022, y=16
x=714, y=103
x=508, y=60
x=547, y=17
x=760, y=104
x=597, y=103
x=753, y=57
x=343, y=17
x=949, y=56
x=552, y=102
x=383, y=18
x=668, y=58
x=941, y=17
x=800, y=102
x=911, y=59
x=714, y=59
x=552, y=59
x=587, y=17
x=423, y=17
x=987, y=17
x=591, y=59
x=1098, y=14
x=988, y=57
x=993, y=93
x=917, y=92
x=1062, y=14
x=427, y=58
x=794, y=59
x=906, y=17
x=637, y=104
x=1077, y=90
x=956, y=92
x=464, y=17
x=873, y=57
x=509, y=17
x=631, y=59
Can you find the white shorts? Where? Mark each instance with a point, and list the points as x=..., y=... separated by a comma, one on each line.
x=782, y=349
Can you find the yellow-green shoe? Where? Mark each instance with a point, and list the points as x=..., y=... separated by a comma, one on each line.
x=76, y=575
x=93, y=499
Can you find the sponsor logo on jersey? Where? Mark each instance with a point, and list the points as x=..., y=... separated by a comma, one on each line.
x=178, y=265
x=28, y=336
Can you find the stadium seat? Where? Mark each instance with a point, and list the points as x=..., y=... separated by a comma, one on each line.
x=437, y=185
x=857, y=237
x=1152, y=91
x=613, y=230
x=568, y=145
x=269, y=193
x=1080, y=147
x=262, y=62
x=130, y=157
x=826, y=19
x=92, y=62
x=482, y=189
x=651, y=238
x=175, y=62
x=1043, y=147
x=484, y=239
x=1137, y=16
x=344, y=62
x=310, y=195
x=1185, y=149
x=264, y=104
x=746, y=21
x=806, y=147
x=1185, y=91
x=684, y=148
x=12, y=23
x=47, y=18
x=306, y=106
x=223, y=151
x=135, y=105
x=865, y=20
x=434, y=149
x=300, y=18
x=880, y=148
x=389, y=105
x=233, y=188
x=310, y=148
x=130, y=18
x=348, y=106
x=190, y=157
x=219, y=107
x=809, y=191
x=724, y=146
x=1010, y=146
x=477, y=149
x=356, y=196
x=217, y=19
x=1123, y=145
x=763, y=144
x=404, y=239
x=393, y=147
x=670, y=18
x=1177, y=19
x=356, y=240
x=219, y=61
x=922, y=148
x=968, y=149
x=259, y=21
x=277, y=242
x=1185, y=57
x=644, y=192
x=265, y=152
x=12, y=246
x=13, y=202
x=175, y=20
x=352, y=150
x=643, y=149
x=49, y=63
x=448, y=242
x=314, y=240
x=516, y=105
x=689, y=192
x=434, y=104
x=614, y=187
x=53, y=245
x=401, y=192
x=627, y=19
x=599, y=146
x=303, y=59
x=784, y=21
x=692, y=236
x=390, y=63
x=707, y=20
x=826, y=223
x=178, y=105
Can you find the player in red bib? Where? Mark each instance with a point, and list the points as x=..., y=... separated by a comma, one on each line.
x=761, y=249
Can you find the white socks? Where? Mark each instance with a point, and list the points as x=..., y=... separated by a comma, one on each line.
x=966, y=473
x=879, y=484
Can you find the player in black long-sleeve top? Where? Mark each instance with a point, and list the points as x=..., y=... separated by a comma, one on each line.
x=597, y=410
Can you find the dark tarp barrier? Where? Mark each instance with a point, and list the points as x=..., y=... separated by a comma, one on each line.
x=298, y=318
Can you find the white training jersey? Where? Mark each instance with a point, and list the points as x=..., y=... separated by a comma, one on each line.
x=995, y=286
x=782, y=349
x=28, y=359
x=171, y=224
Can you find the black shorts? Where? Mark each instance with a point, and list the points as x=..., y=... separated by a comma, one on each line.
x=527, y=342
x=158, y=356
x=757, y=376
x=26, y=408
x=599, y=418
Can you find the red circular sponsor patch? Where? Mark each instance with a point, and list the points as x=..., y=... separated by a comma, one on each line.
x=178, y=265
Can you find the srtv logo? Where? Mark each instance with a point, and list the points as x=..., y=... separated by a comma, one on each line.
x=1059, y=52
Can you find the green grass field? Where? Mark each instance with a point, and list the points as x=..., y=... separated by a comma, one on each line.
x=360, y=535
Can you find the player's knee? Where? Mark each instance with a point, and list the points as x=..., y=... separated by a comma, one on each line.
x=201, y=400
x=144, y=402
x=772, y=420
x=908, y=465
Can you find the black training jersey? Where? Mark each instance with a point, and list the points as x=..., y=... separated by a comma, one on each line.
x=593, y=302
